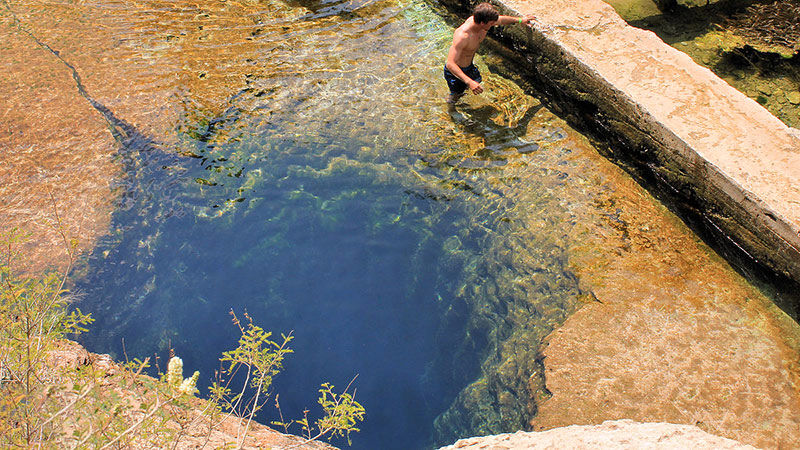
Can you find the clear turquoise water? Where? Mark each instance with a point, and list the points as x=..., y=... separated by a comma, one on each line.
x=337, y=197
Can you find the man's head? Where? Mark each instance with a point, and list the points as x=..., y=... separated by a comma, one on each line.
x=484, y=13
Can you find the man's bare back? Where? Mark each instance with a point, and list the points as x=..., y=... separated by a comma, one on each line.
x=459, y=71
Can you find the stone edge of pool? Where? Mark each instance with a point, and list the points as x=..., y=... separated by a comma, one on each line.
x=702, y=142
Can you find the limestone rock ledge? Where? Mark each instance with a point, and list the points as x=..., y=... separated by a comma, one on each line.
x=616, y=434
x=70, y=355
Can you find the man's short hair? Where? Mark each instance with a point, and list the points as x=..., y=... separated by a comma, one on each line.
x=484, y=13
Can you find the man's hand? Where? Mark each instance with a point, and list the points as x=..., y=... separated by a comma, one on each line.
x=528, y=19
x=476, y=88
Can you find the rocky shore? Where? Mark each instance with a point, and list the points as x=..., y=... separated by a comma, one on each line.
x=735, y=172
x=223, y=434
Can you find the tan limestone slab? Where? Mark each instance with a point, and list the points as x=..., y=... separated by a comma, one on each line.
x=618, y=434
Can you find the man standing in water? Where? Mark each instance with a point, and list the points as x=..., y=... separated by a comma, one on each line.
x=459, y=70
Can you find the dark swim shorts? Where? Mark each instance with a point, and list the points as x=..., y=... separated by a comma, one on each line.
x=457, y=87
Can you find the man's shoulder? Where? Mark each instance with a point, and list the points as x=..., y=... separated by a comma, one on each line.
x=461, y=35
x=467, y=25
x=465, y=31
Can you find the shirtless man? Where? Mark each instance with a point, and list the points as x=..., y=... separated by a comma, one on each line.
x=459, y=71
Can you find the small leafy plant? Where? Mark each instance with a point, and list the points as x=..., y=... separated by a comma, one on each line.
x=342, y=414
x=261, y=359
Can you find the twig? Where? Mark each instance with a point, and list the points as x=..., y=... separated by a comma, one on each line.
x=252, y=411
x=138, y=371
x=69, y=405
x=280, y=413
x=137, y=424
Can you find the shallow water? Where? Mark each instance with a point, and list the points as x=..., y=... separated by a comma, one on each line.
x=296, y=160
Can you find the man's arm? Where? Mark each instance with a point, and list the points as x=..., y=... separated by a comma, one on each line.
x=456, y=49
x=511, y=20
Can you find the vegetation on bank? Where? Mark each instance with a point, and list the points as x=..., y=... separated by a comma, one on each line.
x=770, y=26
x=51, y=405
x=767, y=26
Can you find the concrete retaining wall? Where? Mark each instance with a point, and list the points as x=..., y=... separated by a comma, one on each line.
x=711, y=149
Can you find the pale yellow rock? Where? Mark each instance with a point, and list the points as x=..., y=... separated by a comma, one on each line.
x=618, y=434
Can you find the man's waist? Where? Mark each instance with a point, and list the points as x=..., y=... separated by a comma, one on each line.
x=468, y=66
